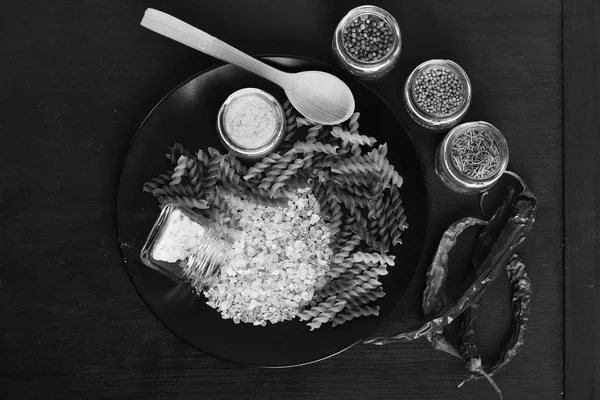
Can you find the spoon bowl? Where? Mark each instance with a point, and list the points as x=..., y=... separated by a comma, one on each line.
x=319, y=96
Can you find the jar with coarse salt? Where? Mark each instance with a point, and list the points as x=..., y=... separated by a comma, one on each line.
x=186, y=247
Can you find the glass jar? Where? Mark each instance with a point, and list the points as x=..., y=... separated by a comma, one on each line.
x=186, y=247
x=437, y=122
x=272, y=138
x=452, y=177
x=367, y=70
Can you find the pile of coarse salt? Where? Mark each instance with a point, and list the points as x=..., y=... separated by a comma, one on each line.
x=278, y=261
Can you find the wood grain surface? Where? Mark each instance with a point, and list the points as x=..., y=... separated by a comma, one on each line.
x=77, y=79
x=581, y=58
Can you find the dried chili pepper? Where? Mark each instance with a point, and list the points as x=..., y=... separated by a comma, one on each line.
x=522, y=291
x=469, y=350
x=512, y=235
x=469, y=347
x=434, y=296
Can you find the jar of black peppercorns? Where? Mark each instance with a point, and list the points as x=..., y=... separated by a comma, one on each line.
x=437, y=94
x=367, y=42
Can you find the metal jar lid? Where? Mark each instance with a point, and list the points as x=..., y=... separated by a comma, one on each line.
x=275, y=138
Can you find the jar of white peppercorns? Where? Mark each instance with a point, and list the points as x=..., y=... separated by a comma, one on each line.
x=367, y=42
x=437, y=94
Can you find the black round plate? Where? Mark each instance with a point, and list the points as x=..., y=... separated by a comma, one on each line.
x=188, y=115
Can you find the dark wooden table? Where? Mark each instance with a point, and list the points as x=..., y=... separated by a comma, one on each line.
x=79, y=76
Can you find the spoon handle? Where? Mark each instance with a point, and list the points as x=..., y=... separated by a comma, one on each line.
x=182, y=32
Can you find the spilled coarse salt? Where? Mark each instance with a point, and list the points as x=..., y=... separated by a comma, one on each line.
x=280, y=260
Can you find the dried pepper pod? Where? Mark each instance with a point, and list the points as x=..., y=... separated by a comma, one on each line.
x=434, y=296
x=522, y=291
x=512, y=235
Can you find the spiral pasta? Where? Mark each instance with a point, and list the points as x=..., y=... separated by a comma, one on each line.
x=176, y=151
x=351, y=202
x=290, y=116
x=195, y=177
x=180, y=170
x=355, y=165
x=350, y=179
x=189, y=202
x=236, y=164
x=351, y=313
x=214, y=173
x=262, y=165
x=327, y=315
x=374, y=257
x=304, y=121
x=348, y=248
x=315, y=311
x=203, y=159
x=157, y=182
x=353, y=123
x=352, y=138
x=339, y=269
x=366, y=298
x=286, y=174
x=277, y=168
x=305, y=147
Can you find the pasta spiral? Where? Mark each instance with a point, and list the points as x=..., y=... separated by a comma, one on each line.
x=349, y=179
x=176, y=151
x=203, y=159
x=352, y=138
x=290, y=115
x=315, y=311
x=348, y=248
x=180, y=170
x=374, y=257
x=366, y=298
x=189, y=202
x=327, y=315
x=313, y=133
x=351, y=313
x=339, y=269
x=276, y=169
x=157, y=182
x=302, y=121
x=262, y=165
x=355, y=165
x=290, y=171
x=305, y=147
x=195, y=177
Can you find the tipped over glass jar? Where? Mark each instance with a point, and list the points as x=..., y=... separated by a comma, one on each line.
x=472, y=157
x=367, y=42
x=186, y=247
x=437, y=94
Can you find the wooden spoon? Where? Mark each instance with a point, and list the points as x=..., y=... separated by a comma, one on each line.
x=317, y=95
